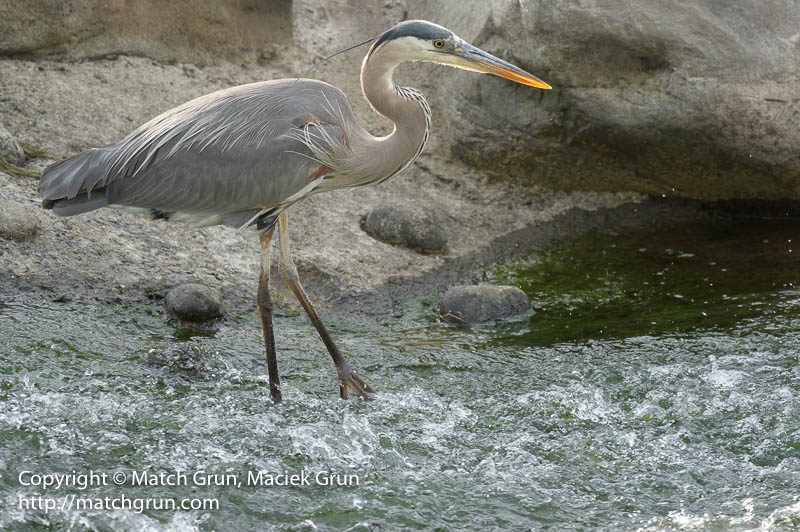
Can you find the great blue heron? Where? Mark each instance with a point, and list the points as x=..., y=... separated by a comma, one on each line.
x=242, y=156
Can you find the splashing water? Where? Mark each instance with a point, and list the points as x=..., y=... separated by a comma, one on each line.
x=616, y=405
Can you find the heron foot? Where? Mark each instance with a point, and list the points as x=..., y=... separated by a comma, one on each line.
x=349, y=380
x=275, y=393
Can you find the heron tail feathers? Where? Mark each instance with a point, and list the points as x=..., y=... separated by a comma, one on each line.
x=70, y=186
x=79, y=205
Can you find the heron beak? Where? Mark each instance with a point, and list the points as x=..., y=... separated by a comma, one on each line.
x=472, y=58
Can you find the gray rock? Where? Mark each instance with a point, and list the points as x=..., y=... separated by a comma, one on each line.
x=193, y=303
x=183, y=30
x=405, y=225
x=475, y=304
x=691, y=99
x=20, y=223
x=10, y=150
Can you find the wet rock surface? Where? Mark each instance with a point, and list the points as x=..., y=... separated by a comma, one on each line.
x=193, y=303
x=480, y=303
x=406, y=225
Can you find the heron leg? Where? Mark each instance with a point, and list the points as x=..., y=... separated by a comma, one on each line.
x=347, y=377
x=264, y=300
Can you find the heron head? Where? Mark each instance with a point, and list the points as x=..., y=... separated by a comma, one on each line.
x=420, y=40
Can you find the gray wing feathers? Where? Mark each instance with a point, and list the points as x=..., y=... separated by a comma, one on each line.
x=230, y=151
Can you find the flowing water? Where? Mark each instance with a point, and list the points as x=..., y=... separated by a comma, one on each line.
x=656, y=386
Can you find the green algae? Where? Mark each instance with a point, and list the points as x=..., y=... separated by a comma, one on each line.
x=652, y=282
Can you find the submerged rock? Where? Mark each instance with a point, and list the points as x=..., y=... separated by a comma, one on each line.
x=10, y=150
x=475, y=304
x=184, y=357
x=18, y=222
x=405, y=225
x=193, y=304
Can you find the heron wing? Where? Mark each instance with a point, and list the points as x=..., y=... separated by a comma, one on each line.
x=228, y=151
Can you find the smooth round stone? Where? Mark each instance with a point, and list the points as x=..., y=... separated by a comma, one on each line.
x=193, y=303
x=407, y=226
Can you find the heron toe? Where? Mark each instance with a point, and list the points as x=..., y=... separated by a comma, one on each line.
x=349, y=380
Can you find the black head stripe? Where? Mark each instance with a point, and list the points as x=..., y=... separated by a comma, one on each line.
x=411, y=28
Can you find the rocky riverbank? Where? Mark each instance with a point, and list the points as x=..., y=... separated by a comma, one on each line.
x=112, y=256
x=59, y=99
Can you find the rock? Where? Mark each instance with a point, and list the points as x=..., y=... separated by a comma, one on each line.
x=10, y=150
x=691, y=99
x=181, y=30
x=475, y=304
x=19, y=222
x=184, y=357
x=405, y=225
x=193, y=304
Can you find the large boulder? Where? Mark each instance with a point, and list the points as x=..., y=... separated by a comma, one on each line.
x=179, y=30
x=694, y=99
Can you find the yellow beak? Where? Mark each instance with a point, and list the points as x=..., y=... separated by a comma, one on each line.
x=471, y=58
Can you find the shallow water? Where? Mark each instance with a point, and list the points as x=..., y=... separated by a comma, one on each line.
x=617, y=404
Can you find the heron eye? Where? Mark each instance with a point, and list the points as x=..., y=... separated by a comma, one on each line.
x=438, y=43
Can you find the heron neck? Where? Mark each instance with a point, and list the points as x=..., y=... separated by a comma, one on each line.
x=405, y=107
